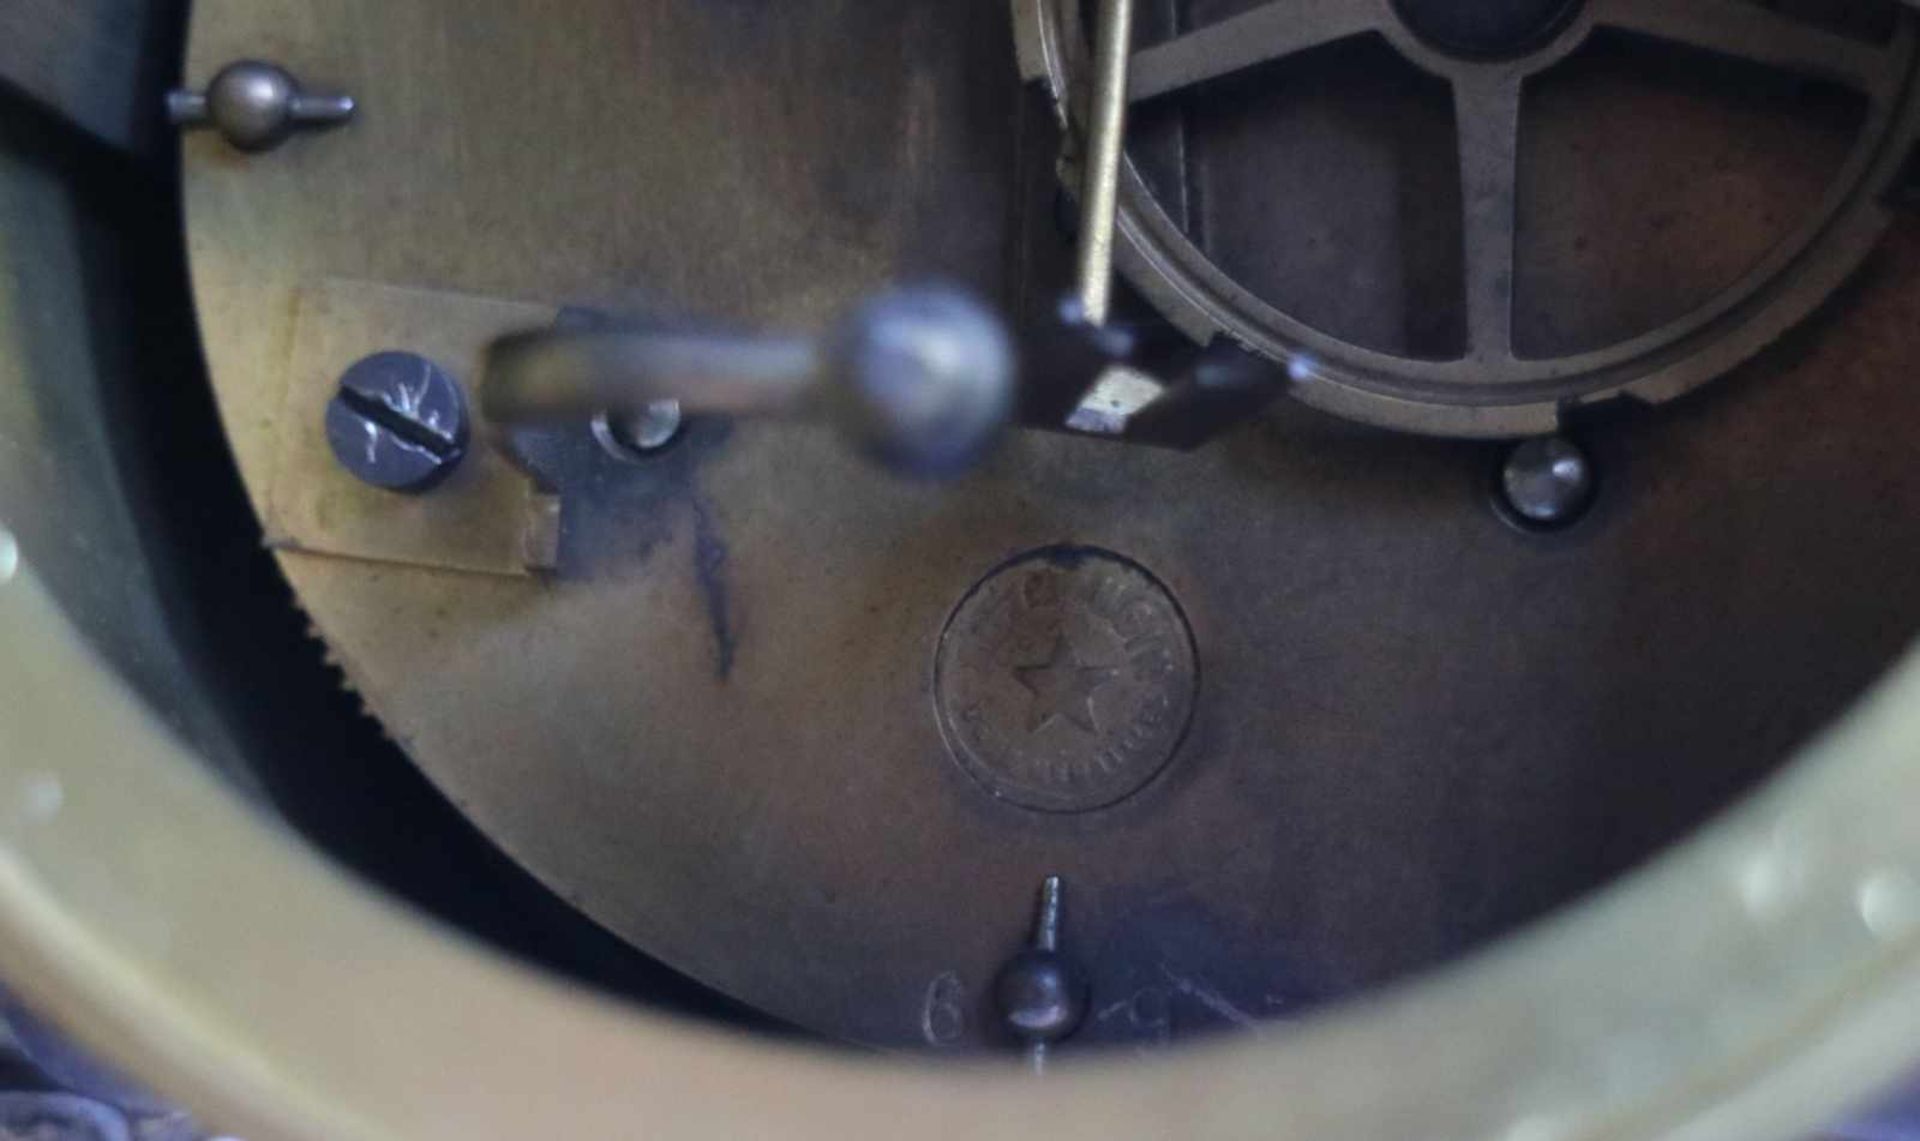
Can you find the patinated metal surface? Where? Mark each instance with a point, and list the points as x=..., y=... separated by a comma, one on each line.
x=715, y=730
x=487, y=518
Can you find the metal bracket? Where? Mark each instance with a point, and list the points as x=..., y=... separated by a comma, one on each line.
x=488, y=518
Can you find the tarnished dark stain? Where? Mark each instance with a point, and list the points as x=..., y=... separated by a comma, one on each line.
x=710, y=569
x=618, y=513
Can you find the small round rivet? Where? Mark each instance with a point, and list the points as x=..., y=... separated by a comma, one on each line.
x=1041, y=993
x=256, y=106
x=1547, y=483
x=634, y=438
x=1042, y=996
x=1889, y=903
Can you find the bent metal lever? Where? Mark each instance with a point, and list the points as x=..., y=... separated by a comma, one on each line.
x=921, y=379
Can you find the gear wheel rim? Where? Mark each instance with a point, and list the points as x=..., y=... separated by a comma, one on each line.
x=1441, y=398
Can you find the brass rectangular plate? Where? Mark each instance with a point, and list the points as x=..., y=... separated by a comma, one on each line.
x=486, y=518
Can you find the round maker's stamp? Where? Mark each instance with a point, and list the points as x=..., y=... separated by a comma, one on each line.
x=1065, y=679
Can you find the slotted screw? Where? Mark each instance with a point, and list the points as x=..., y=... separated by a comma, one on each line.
x=398, y=422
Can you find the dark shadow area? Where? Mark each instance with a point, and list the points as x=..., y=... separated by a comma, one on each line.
x=1327, y=185
x=1653, y=177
